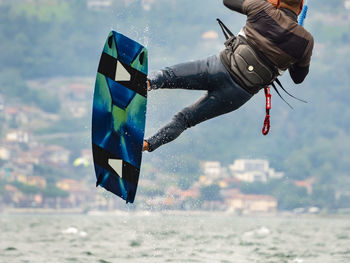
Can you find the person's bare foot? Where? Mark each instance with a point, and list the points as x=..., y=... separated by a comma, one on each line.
x=145, y=146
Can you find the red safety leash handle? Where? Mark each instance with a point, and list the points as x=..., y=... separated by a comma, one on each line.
x=266, y=127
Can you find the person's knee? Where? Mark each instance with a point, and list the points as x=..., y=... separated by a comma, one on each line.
x=184, y=119
x=161, y=79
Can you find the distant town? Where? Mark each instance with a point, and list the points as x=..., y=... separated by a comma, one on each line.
x=217, y=189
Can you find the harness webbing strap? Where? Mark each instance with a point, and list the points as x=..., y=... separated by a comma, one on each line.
x=224, y=29
x=280, y=84
x=279, y=94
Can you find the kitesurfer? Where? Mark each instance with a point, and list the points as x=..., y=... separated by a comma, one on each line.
x=270, y=43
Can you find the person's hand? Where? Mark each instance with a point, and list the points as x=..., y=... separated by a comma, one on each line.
x=145, y=146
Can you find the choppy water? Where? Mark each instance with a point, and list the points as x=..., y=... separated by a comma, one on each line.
x=164, y=237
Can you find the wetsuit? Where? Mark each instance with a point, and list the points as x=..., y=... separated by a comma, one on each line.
x=278, y=36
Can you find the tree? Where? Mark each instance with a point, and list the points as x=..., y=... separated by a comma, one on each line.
x=12, y=83
x=323, y=196
x=51, y=191
x=210, y=193
x=298, y=165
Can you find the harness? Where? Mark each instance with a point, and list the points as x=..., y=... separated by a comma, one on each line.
x=253, y=70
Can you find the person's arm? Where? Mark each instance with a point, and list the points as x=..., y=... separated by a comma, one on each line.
x=300, y=69
x=235, y=5
x=298, y=73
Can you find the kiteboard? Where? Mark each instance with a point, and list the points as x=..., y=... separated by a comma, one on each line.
x=119, y=114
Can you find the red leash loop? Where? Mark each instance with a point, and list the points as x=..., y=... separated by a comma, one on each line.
x=266, y=127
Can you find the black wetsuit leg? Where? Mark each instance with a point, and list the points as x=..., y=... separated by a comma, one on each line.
x=223, y=95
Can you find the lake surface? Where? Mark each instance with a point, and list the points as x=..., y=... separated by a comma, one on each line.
x=173, y=237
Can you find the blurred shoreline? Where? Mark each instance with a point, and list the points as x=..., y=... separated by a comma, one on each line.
x=78, y=211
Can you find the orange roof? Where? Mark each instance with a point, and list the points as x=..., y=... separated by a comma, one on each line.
x=190, y=193
x=11, y=188
x=306, y=183
x=302, y=183
x=11, y=110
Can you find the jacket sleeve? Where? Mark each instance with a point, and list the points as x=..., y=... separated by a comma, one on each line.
x=298, y=73
x=235, y=5
x=299, y=70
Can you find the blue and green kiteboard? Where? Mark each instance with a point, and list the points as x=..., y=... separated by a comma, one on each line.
x=119, y=114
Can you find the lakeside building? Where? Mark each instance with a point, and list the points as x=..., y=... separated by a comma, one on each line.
x=252, y=204
x=212, y=172
x=4, y=154
x=253, y=170
x=12, y=194
x=17, y=136
x=211, y=169
x=32, y=180
x=55, y=154
x=99, y=4
x=242, y=170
